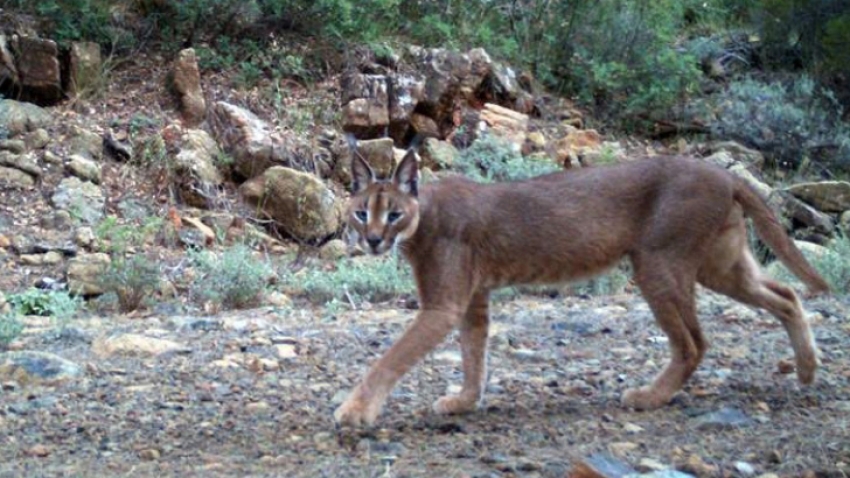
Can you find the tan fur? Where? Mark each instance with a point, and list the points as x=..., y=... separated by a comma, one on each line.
x=680, y=222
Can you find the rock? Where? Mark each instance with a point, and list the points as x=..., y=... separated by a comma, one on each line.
x=827, y=196
x=37, y=61
x=30, y=367
x=696, y=465
x=85, y=273
x=186, y=82
x=378, y=153
x=37, y=139
x=724, y=418
x=48, y=258
x=286, y=351
x=571, y=149
x=15, y=178
x=449, y=76
x=647, y=465
x=206, y=231
x=807, y=215
x=403, y=97
x=601, y=465
x=608, y=152
x=84, y=67
x=246, y=138
x=298, y=202
x=722, y=159
x=424, y=126
x=150, y=454
x=437, y=154
x=25, y=162
x=84, y=168
x=666, y=474
x=737, y=152
x=365, y=104
x=85, y=143
x=506, y=123
x=134, y=345
x=333, y=250
x=745, y=468
x=38, y=451
x=18, y=118
x=83, y=199
x=50, y=157
x=277, y=299
x=197, y=175
x=844, y=222
x=84, y=236
x=14, y=146
x=9, y=79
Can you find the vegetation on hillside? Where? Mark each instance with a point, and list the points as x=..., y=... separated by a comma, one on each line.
x=631, y=62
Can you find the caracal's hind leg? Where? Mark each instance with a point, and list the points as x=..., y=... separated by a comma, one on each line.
x=473, y=348
x=733, y=271
x=670, y=295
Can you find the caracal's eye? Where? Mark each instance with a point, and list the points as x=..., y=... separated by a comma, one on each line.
x=361, y=215
x=393, y=216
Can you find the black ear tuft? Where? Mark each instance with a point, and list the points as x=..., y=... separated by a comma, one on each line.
x=406, y=174
x=361, y=173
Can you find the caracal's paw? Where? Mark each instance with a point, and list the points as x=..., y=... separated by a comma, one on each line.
x=806, y=368
x=644, y=398
x=356, y=412
x=455, y=405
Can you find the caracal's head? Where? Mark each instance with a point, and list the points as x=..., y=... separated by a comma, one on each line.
x=383, y=212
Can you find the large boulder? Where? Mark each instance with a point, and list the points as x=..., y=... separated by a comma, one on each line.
x=377, y=152
x=26, y=162
x=197, y=175
x=18, y=117
x=82, y=199
x=15, y=178
x=37, y=368
x=506, y=123
x=247, y=139
x=8, y=71
x=572, y=148
x=299, y=203
x=827, y=196
x=186, y=81
x=437, y=154
x=84, y=168
x=86, y=143
x=403, y=96
x=37, y=61
x=85, y=273
x=365, y=104
x=85, y=63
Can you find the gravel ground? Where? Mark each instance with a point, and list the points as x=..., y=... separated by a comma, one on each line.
x=251, y=394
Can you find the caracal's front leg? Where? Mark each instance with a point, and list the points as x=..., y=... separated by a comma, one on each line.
x=473, y=348
x=426, y=332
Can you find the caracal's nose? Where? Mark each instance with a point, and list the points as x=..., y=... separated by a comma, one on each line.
x=373, y=242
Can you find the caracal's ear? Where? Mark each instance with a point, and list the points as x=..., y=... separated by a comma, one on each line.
x=361, y=173
x=406, y=174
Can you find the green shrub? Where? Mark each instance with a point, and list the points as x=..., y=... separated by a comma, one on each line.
x=835, y=265
x=490, y=158
x=787, y=121
x=10, y=328
x=233, y=278
x=132, y=279
x=116, y=238
x=373, y=279
x=57, y=304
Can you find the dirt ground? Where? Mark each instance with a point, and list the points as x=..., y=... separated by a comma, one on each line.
x=252, y=394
